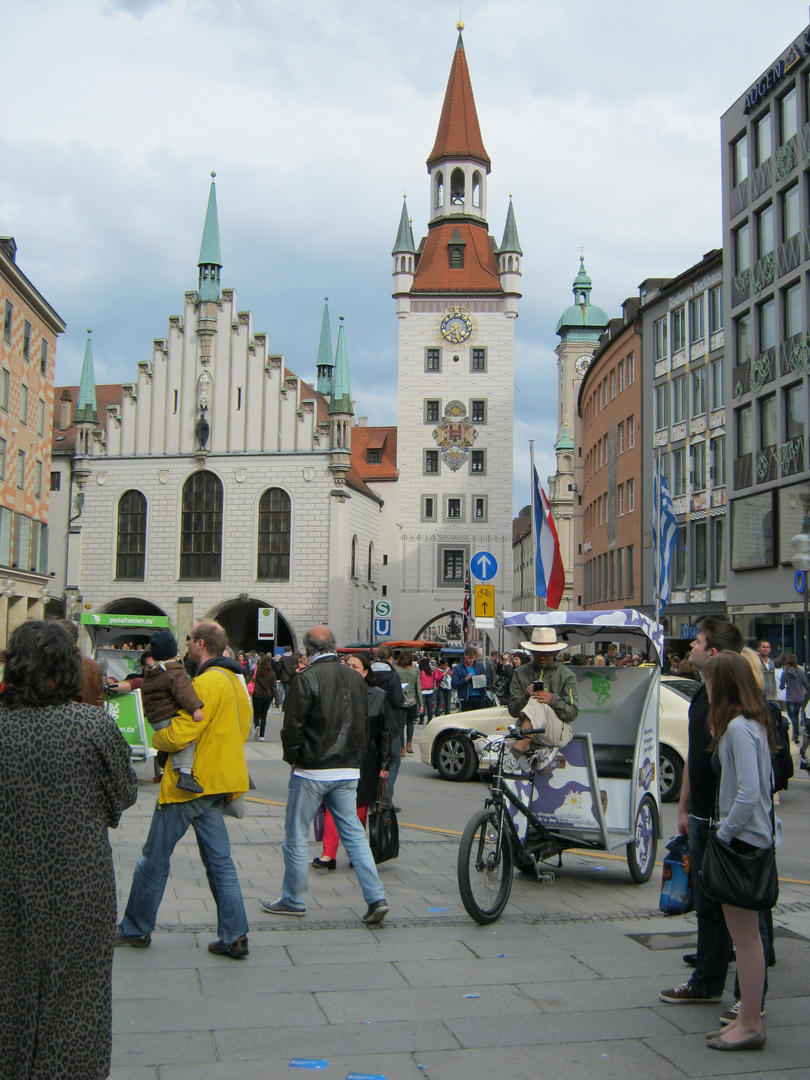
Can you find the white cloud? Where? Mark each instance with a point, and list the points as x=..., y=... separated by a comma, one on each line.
x=603, y=119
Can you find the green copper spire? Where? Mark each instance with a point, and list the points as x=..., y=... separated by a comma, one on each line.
x=341, y=391
x=210, y=261
x=404, y=243
x=583, y=321
x=510, y=242
x=86, y=409
x=325, y=365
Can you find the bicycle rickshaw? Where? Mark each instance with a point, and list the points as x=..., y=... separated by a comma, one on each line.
x=599, y=792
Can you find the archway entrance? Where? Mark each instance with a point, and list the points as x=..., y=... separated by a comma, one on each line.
x=117, y=637
x=240, y=619
x=444, y=628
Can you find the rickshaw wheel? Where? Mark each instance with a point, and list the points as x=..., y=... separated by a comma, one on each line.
x=641, y=853
x=484, y=874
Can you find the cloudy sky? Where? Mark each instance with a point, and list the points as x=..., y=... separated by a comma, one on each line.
x=602, y=117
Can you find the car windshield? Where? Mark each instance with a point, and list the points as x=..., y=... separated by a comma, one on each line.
x=685, y=687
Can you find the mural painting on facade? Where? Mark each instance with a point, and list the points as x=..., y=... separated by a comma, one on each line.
x=455, y=435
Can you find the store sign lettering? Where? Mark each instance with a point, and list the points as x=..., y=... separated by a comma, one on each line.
x=774, y=76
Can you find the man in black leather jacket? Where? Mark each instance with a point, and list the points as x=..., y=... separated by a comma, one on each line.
x=324, y=737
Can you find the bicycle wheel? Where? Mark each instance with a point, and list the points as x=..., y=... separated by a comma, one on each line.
x=484, y=867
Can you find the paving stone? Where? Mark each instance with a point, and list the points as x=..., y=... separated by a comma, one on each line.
x=306, y=978
x=160, y=1048
x=785, y=1049
x=389, y=949
x=390, y=1004
x=567, y=1027
x=575, y=1061
x=498, y=972
x=392, y=1066
x=335, y=1040
x=210, y=1013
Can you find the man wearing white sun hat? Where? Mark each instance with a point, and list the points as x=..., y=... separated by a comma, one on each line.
x=545, y=680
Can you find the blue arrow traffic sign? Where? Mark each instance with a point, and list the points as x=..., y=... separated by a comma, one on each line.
x=483, y=565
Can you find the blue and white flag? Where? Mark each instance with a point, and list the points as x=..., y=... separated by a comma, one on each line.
x=666, y=531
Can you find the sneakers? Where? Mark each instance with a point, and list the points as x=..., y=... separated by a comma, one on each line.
x=688, y=995
x=376, y=912
x=690, y=959
x=262, y=738
x=237, y=951
x=278, y=907
x=730, y=1015
x=142, y=942
x=186, y=782
x=323, y=864
x=511, y=764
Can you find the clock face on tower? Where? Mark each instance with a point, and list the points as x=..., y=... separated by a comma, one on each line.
x=582, y=364
x=455, y=327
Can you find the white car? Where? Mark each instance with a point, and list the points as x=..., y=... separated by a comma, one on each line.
x=444, y=746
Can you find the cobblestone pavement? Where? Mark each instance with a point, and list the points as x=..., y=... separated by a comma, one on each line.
x=564, y=985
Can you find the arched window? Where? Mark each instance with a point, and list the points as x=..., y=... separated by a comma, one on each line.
x=131, y=542
x=439, y=190
x=274, y=536
x=201, y=528
x=354, y=557
x=477, y=190
x=509, y=262
x=370, y=559
x=457, y=187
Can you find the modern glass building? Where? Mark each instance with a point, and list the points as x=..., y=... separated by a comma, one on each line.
x=766, y=242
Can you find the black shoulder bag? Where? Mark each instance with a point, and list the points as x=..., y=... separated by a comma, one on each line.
x=744, y=880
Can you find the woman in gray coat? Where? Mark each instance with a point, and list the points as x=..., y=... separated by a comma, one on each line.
x=66, y=780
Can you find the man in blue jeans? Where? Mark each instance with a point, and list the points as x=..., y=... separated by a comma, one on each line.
x=695, y=811
x=219, y=766
x=325, y=734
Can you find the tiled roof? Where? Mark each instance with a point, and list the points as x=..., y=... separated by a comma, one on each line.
x=375, y=438
x=64, y=440
x=521, y=526
x=459, y=135
x=480, y=270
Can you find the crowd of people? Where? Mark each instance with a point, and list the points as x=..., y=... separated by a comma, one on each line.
x=348, y=720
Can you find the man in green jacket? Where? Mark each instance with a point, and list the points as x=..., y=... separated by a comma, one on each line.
x=545, y=680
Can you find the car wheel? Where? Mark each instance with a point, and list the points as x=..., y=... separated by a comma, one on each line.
x=455, y=756
x=670, y=774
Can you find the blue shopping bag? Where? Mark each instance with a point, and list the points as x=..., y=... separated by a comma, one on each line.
x=676, y=885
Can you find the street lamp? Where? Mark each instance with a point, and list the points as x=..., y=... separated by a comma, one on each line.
x=8, y=590
x=801, y=560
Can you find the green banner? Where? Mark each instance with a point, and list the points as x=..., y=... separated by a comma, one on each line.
x=126, y=620
x=127, y=713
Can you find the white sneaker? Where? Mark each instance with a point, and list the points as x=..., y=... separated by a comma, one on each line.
x=511, y=764
x=261, y=738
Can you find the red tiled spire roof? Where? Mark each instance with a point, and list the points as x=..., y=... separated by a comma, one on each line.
x=479, y=273
x=459, y=135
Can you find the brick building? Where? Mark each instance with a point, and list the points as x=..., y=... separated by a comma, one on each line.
x=609, y=406
x=27, y=362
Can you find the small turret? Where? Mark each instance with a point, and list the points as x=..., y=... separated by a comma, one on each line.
x=404, y=254
x=509, y=256
x=85, y=418
x=210, y=261
x=341, y=411
x=325, y=366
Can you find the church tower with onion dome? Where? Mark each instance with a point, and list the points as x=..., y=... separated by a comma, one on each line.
x=456, y=298
x=579, y=328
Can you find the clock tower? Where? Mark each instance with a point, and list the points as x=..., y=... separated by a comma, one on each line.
x=579, y=329
x=456, y=299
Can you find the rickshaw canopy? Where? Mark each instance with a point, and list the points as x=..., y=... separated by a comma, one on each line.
x=625, y=626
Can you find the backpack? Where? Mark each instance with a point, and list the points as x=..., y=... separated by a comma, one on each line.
x=782, y=757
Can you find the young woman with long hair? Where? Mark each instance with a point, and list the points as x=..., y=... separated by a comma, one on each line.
x=794, y=683
x=742, y=742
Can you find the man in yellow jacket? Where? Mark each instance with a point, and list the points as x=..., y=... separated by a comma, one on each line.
x=220, y=768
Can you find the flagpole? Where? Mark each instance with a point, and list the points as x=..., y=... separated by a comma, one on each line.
x=657, y=535
x=534, y=525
